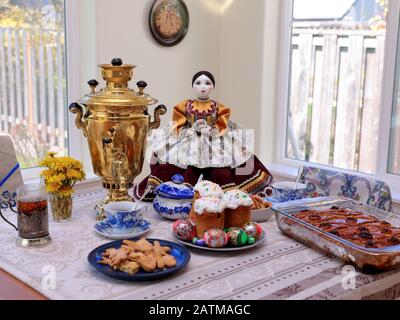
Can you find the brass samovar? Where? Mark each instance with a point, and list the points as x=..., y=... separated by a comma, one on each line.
x=115, y=121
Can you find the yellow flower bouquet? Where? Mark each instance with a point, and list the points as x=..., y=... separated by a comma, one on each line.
x=60, y=177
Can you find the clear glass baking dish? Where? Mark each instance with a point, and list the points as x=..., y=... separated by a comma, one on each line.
x=367, y=259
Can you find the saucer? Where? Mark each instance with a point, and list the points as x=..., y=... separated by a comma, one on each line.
x=274, y=200
x=104, y=229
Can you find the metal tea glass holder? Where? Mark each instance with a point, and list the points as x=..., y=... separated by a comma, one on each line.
x=8, y=202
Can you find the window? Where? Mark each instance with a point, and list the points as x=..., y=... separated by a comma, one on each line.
x=394, y=159
x=33, y=77
x=337, y=81
x=336, y=74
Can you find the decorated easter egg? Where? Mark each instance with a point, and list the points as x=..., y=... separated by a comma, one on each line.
x=237, y=237
x=251, y=240
x=215, y=238
x=253, y=230
x=184, y=229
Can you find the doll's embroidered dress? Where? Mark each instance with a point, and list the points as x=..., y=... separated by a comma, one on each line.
x=202, y=140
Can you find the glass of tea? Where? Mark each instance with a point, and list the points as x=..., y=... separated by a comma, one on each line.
x=33, y=218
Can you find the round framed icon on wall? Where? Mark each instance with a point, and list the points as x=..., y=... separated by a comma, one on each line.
x=169, y=21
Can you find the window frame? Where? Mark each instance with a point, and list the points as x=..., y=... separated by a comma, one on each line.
x=72, y=65
x=288, y=167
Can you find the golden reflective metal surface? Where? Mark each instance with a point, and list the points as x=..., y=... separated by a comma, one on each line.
x=115, y=122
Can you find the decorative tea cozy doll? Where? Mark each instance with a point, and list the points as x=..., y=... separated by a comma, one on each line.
x=202, y=141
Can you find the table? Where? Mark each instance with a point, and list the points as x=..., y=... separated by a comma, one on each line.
x=280, y=268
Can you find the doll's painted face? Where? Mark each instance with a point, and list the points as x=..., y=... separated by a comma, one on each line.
x=203, y=86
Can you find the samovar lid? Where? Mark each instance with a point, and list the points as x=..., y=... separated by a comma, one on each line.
x=117, y=93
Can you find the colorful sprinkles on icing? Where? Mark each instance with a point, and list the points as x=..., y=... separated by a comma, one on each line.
x=208, y=189
x=236, y=198
x=209, y=204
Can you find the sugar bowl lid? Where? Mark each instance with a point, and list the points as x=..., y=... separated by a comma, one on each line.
x=175, y=189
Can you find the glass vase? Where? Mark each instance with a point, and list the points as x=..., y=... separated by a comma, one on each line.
x=61, y=207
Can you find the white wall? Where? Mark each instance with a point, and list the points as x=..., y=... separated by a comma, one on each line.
x=248, y=67
x=119, y=28
x=236, y=40
x=122, y=31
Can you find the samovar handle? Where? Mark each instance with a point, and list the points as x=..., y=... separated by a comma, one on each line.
x=141, y=85
x=159, y=111
x=93, y=84
x=80, y=111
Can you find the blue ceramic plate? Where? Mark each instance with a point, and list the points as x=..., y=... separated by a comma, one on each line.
x=181, y=254
x=107, y=231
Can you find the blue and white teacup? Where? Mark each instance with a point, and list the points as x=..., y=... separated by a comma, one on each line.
x=288, y=191
x=123, y=216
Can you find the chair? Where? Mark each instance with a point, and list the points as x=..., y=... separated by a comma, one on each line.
x=10, y=173
x=323, y=183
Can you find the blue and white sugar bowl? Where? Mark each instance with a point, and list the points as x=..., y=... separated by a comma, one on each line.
x=174, y=199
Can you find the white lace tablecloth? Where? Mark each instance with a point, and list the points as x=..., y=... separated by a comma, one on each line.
x=280, y=268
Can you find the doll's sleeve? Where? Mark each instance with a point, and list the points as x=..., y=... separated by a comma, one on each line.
x=179, y=117
x=223, y=117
